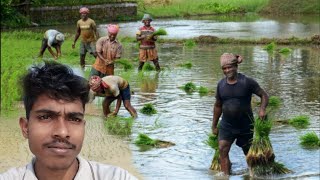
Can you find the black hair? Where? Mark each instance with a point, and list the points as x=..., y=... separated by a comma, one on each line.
x=56, y=80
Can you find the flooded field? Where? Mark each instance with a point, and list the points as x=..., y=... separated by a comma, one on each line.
x=185, y=119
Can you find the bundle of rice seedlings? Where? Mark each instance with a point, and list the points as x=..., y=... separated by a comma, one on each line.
x=147, y=67
x=274, y=102
x=144, y=140
x=189, y=87
x=187, y=65
x=127, y=65
x=214, y=143
x=189, y=43
x=270, y=47
x=300, y=121
x=148, y=109
x=160, y=32
x=203, y=90
x=285, y=51
x=119, y=125
x=310, y=140
x=260, y=157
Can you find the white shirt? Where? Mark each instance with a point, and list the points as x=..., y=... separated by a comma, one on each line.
x=88, y=170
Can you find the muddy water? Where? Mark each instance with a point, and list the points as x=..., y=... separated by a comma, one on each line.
x=249, y=26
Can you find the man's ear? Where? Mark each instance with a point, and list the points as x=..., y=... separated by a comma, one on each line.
x=24, y=126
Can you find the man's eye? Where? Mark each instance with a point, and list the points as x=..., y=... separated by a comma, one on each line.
x=44, y=117
x=75, y=119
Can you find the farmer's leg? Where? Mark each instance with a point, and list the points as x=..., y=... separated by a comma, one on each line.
x=140, y=65
x=91, y=48
x=156, y=64
x=142, y=58
x=83, y=52
x=226, y=139
x=106, y=105
x=126, y=96
x=244, y=141
x=44, y=46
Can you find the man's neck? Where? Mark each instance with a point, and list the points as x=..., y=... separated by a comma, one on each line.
x=44, y=173
x=232, y=80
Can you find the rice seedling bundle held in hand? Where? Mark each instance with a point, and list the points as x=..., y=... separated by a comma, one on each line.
x=213, y=142
x=160, y=32
x=260, y=157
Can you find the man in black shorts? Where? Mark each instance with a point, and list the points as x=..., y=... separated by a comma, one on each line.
x=233, y=100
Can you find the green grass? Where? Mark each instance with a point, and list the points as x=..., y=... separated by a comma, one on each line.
x=300, y=122
x=270, y=47
x=148, y=109
x=19, y=50
x=180, y=8
x=285, y=51
x=212, y=141
x=148, y=67
x=310, y=140
x=160, y=32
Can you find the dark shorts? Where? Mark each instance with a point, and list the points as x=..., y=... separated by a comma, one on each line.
x=125, y=93
x=45, y=44
x=87, y=47
x=243, y=139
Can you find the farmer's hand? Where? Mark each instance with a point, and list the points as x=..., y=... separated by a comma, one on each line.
x=113, y=114
x=215, y=130
x=262, y=114
x=73, y=45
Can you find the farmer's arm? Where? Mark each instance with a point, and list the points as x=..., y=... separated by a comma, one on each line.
x=52, y=53
x=217, y=111
x=264, y=102
x=76, y=37
x=58, y=50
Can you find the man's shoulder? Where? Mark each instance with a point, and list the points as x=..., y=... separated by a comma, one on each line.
x=13, y=173
x=106, y=171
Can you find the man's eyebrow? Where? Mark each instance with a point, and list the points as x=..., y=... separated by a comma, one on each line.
x=48, y=111
x=73, y=114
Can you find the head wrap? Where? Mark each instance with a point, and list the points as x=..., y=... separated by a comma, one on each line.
x=147, y=17
x=60, y=37
x=95, y=82
x=229, y=58
x=113, y=29
x=84, y=10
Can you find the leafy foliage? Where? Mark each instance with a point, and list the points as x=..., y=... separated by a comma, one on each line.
x=119, y=125
x=189, y=87
x=300, y=122
x=310, y=140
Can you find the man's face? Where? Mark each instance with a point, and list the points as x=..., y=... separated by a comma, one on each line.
x=147, y=22
x=55, y=132
x=84, y=16
x=112, y=37
x=230, y=70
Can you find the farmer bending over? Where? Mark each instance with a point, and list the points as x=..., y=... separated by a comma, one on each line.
x=112, y=88
x=52, y=38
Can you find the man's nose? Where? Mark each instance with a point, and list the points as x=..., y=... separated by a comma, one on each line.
x=60, y=128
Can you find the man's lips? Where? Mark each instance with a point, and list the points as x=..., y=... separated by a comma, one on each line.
x=60, y=148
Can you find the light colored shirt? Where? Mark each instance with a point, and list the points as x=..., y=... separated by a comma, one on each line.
x=110, y=50
x=51, y=36
x=88, y=170
x=88, y=29
x=115, y=83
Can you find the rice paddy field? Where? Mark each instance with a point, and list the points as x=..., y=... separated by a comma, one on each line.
x=182, y=117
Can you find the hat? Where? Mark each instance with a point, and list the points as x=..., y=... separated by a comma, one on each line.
x=95, y=82
x=84, y=10
x=146, y=17
x=113, y=28
x=60, y=37
x=229, y=58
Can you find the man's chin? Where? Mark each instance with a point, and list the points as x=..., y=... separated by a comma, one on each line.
x=61, y=164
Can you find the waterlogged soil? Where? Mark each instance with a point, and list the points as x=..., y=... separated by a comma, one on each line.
x=185, y=118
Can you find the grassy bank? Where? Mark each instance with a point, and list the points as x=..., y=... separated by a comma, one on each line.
x=179, y=8
x=289, y=7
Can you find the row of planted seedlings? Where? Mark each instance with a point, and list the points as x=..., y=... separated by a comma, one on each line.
x=261, y=157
